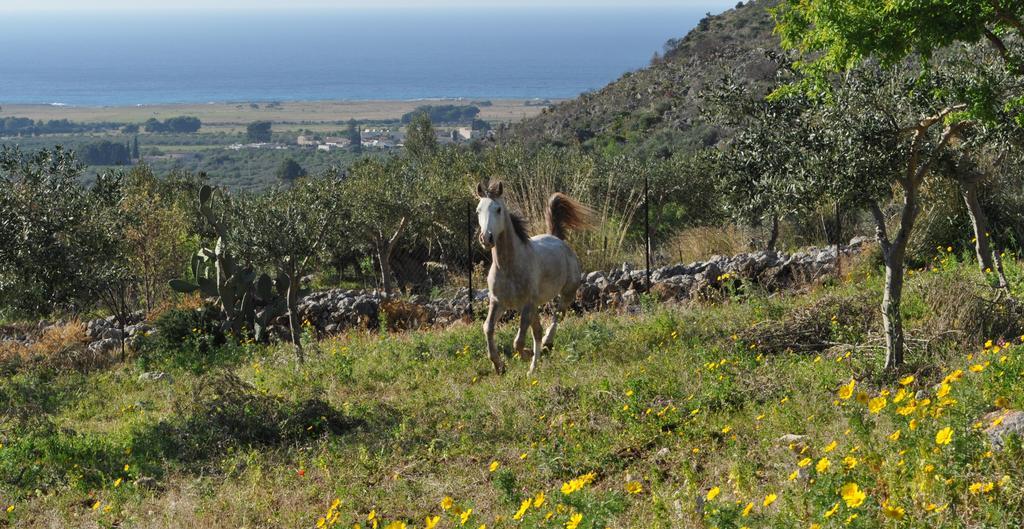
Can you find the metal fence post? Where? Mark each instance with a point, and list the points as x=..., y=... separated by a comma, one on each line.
x=469, y=256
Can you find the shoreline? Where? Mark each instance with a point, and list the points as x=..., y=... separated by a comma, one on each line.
x=233, y=113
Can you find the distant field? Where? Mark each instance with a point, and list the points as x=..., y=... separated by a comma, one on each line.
x=233, y=116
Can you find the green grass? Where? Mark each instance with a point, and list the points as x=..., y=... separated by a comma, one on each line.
x=671, y=402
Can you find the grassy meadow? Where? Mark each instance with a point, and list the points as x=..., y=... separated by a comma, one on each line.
x=673, y=416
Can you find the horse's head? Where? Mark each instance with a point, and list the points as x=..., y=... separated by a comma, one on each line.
x=491, y=213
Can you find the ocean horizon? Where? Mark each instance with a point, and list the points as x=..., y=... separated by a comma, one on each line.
x=150, y=58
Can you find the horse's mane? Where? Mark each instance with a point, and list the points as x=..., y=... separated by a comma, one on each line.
x=519, y=226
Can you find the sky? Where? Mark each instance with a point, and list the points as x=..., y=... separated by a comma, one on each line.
x=713, y=6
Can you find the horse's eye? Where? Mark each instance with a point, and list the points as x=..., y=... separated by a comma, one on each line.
x=498, y=210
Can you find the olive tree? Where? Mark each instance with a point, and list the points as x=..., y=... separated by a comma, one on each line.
x=52, y=233
x=289, y=232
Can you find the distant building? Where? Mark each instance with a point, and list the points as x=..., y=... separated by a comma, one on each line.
x=337, y=141
x=307, y=141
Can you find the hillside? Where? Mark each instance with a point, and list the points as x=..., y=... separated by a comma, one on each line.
x=760, y=411
x=656, y=110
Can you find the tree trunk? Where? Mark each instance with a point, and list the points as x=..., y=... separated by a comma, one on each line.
x=892, y=320
x=773, y=237
x=384, y=258
x=982, y=247
x=293, y=313
x=894, y=253
x=385, y=247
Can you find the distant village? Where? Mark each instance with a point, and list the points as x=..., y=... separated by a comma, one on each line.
x=386, y=138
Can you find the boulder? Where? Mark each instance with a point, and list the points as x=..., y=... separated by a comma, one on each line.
x=1001, y=425
x=156, y=376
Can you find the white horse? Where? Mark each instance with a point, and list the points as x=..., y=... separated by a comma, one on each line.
x=527, y=272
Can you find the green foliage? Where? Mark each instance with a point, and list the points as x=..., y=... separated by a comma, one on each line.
x=182, y=124
x=290, y=170
x=449, y=114
x=420, y=138
x=258, y=131
x=55, y=235
x=190, y=339
x=105, y=152
x=839, y=35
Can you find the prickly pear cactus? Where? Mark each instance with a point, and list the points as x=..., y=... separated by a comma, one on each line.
x=248, y=301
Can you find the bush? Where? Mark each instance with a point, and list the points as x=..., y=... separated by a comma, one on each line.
x=221, y=412
x=189, y=339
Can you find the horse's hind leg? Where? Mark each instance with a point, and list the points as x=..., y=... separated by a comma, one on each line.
x=562, y=305
x=493, y=313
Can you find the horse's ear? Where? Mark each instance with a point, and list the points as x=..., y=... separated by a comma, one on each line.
x=495, y=190
x=481, y=191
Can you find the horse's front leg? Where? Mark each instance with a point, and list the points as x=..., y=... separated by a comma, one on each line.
x=493, y=312
x=535, y=326
x=527, y=313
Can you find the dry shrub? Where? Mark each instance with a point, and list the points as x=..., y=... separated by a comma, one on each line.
x=179, y=302
x=403, y=315
x=813, y=328
x=698, y=244
x=61, y=346
x=962, y=309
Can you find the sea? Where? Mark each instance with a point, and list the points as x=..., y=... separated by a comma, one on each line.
x=156, y=57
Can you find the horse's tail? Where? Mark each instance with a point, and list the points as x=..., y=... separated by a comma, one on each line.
x=565, y=213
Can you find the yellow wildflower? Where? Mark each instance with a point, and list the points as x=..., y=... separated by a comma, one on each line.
x=634, y=487
x=893, y=511
x=849, y=462
x=523, y=507
x=574, y=521
x=805, y=462
x=747, y=509
x=823, y=465
x=907, y=380
x=846, y=391
x=713, y=493
x=447, y=503
x=852, y=495
x=876, y=404
x=832, y=510
x=494, y=466
x=770, y=499
x=538, y=500
x=830, y=447
x=895, y=436
x=464, y=517
x=431, y=522
x=944, y=436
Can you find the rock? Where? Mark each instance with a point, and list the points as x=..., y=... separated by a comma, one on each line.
x=588, y=294
x=789, y=439
x=1011, y=422
x=593, y=277
x=145, y=482
x=364, y=306
x=104, y=346
x=156, y=376
x=630, y=297
x=111, y=333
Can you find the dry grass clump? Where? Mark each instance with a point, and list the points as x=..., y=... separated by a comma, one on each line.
x=61, y=346
x=404, y=316
x=832, y=320
x=698, y=244
x=959, y=307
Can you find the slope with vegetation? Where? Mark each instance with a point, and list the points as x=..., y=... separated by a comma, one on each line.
x=656, y=111
x=674, y=417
